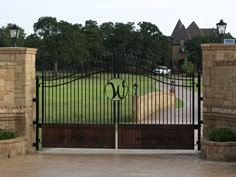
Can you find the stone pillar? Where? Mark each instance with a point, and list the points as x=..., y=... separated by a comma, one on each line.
x=219, y=86
x=17, y=89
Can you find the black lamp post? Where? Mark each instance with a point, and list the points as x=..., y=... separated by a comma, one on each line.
x=14, y=31
x=221, y=27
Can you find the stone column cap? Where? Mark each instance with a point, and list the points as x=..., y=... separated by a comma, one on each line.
x=17, y=50
x=215, y=46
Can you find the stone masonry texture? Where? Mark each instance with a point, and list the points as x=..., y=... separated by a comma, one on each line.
x=219, y=86
x=17, y=89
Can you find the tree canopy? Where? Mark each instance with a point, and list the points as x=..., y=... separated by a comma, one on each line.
x=60, y=42
x=193, y=46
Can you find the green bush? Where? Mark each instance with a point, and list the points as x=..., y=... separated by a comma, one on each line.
x=187, y=67
x=6, y=134
x=221, y=135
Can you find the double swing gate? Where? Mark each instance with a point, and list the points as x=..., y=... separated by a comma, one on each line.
x=117, y=102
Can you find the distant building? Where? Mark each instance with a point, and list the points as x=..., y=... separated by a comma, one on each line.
x=181, y=34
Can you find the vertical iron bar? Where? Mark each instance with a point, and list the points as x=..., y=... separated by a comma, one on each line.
x=114, y=75
x=56, y=87
x=151, y=80
x=167, y=101
x=136, y=100
x=105, y=98
x=96, y=108
x=74, y=80
x=186, y=102
x=59, y=99
x=114, y=102
x=89, y=100
x=43, y=113
x=179, y=97
x=199, y=111
x=163, y=100
x=37, y=113
x=131, y=96
x=190, y=112
x=174, y=94
x=71, y=93
x=182, y=94
x=79, y=98
x=140, y=86
x=118, y=76
x=100, y=77
x=171, y=106
x=85, y=115
x=193, y=105
x=63, y=100
x=144, y=97
x=46, y=97
x=51, y=101
x=159, y=97
x=92, y=97
x=83, y=95
x=48, y=114
x=67, y=95
x=148, y=99
x=155, y=85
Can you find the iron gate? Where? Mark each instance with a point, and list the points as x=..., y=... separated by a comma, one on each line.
x=117, y=102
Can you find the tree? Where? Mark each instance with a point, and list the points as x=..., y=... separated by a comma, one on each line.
x=194, y=50
x=62, y=43
x=155, y=46
x=123, y=35
x=46, y=27
x=107, y=30
x=94, y=39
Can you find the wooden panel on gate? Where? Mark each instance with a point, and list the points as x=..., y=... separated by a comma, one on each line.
x=78, y=135
x=156, y=136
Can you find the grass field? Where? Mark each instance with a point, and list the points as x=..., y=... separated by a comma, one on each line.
x=72, y=100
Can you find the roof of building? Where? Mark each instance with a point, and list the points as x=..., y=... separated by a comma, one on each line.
x=207, y=31
x=178, y=26
x=181, y=33
x=194, y=30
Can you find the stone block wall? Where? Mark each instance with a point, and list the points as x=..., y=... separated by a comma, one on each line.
x=12, y=147
x=17, y=89
x=219, y=86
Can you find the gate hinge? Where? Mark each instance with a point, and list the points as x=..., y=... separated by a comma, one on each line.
x=34, y=122
x=34, y=99
x=34, y=144
x=201, y=98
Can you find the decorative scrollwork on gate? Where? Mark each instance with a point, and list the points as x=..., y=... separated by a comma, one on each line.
x=116, y=89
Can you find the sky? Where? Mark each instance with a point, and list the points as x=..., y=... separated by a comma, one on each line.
x=163, y=13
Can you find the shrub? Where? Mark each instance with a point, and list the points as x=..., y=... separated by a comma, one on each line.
x=221, y=135
x=187, y=67
x=6, y=134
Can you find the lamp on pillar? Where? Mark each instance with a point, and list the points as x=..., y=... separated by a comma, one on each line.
x=14, y=31
x=221, y=27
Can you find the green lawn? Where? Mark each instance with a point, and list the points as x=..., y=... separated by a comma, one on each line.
x=85, y=101
x=73, y=100
x=179, y=103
